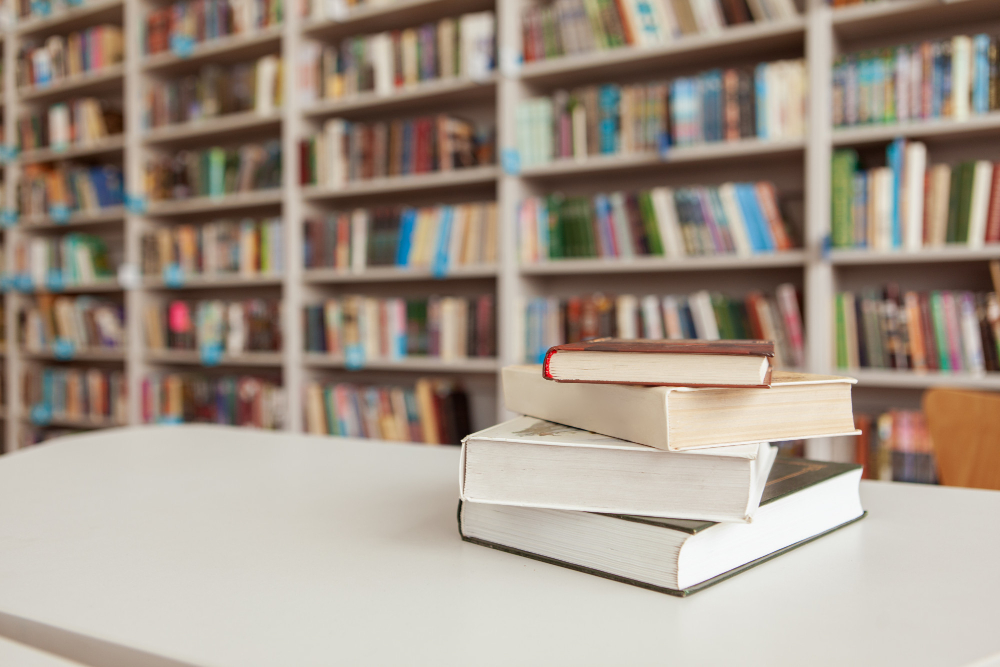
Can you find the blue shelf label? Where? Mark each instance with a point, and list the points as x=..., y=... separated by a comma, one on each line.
x=826, y=247
x=61, y=147
x=182, y=46
x=354, y=357
x=6, y=282
x=135, y=203
x=9, y=153
x=173, y=276
x=74, y=3
x=54, y=281
x=664, y=148
x=41, y=414
x=210, y=353
x=22, y=282
x=63, y=349
x=59, y=214
x=170, y=420
x=510, y=160
x=41, y=7
x=8, y=217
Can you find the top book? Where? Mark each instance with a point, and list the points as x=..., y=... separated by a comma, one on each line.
x=667, y=363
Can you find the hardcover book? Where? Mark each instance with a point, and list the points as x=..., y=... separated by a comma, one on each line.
x=797, y=405
x=678, y=363
x=803, y=500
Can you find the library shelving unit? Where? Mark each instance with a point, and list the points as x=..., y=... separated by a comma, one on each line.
x=800, y=168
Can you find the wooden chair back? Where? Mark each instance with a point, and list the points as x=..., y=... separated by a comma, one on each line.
x=965, y=428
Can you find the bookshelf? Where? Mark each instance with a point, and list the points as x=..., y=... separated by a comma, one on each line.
x=800, y=167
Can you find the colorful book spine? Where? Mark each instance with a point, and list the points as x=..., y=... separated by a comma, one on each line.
x=70, y=396
x=214, y=172
x=246, y=247
x=67, y=324
x=236, y=400
x=214, y=326
x=180, y=26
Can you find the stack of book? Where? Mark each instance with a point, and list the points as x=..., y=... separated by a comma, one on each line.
x=215, y=90
x=648, y=462
x=943, y=330
x=246, y=247
x=60, y=57
x=360, y=328
x=430, y=237
x=181, y=25
x=703, y=315
x=213, y=172
x=433, y=411
x=945, y=78
x=345, y=152
x=451, y=48
x=734, y=218
x=566, y=27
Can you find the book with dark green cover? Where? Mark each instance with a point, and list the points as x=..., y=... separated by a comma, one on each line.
x=954, y=191
x=793, y=493
x=968, y=170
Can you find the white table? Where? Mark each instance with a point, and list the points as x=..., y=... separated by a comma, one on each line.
x=217, y=547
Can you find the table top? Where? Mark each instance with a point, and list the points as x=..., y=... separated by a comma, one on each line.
x=12, y=653
x=217, y=547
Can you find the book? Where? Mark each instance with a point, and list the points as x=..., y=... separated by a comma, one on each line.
x=214, y=171
x=82, y=322
x=432, y=411
x=231, y=327
x=448, y=328
x=66, y=188
x=527, y=462
x=797, y=405
x=245, y=247
x=802, y=501
x=75, y=394
x=56, y=262
x=42, y=63
x=942, y=78
x=664, y=222
x=242, y=400
x=551, y=321
x=692, y=363
x=183, y=25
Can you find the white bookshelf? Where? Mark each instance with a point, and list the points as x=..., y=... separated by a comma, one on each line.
x=803, y=166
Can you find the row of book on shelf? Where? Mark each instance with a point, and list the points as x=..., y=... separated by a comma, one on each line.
x=60, y=189
x=908, y=204
x=551, y=321
x=734, y=218
x=214, y=326
x=765, y=102
x=363, y=328
x=462, y=47
x=953, y=78
x=353, y=151
x=567, y=27
x=71, y=259
x=236, y=400
x=82, y=323
x=213, y=172
x=428, y=237
x=215, y=90
x=246, y=247
x=939, y=330
x=180, y=26
x=78, y=122
x=433, y=411
x=42, y=63
x=56, y=393
x=895, y=446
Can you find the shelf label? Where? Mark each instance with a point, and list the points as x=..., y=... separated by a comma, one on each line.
x=63, y=349
x=510, y=160
x=664, y=146
x=510, y=62
x=173, y=276
x=59, y=214
x=354, y=357
x=128, y=276
x=9, y=153
x=8, y=217
x=210, y=353
x=41, y=7
x=170, y=420
x=22, y=282
x=74, y=3
x=41, y=414
x=54, y=281
x=826, y=246
x=181, y=45
x=61, y=147
x=135, y=204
